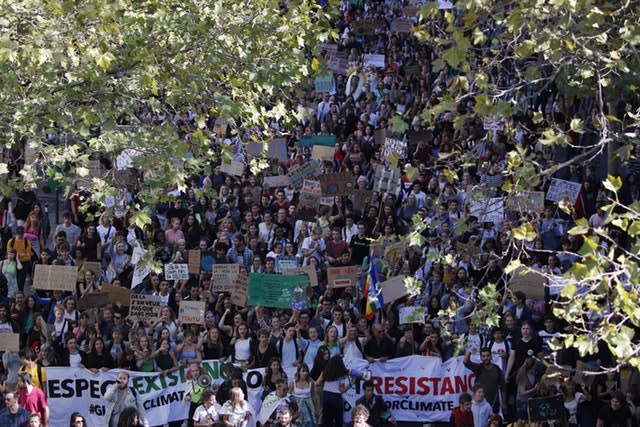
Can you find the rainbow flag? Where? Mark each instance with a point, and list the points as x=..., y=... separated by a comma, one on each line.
x=372, y=295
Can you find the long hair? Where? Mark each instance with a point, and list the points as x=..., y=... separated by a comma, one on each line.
x=73, y=418
x=302, y=366
x=335, y=369
x=128, y=417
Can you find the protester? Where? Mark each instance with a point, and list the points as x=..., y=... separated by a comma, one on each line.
x=32, y=398
x=377, y=410
x=234, y=218
x=120, y=397
x=206, y=415
x=13, y=415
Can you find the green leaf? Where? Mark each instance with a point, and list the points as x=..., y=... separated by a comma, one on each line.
x=524, y=232
x=577, y=125
x=588, y=247
x=398, y=125
x=581, y=227
x=513, y=264
x=612, y=183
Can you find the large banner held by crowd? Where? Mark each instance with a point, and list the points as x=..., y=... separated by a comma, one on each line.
x=415, y=388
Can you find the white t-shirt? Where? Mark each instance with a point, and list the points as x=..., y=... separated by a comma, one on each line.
x=243, y=349
x=205, y=416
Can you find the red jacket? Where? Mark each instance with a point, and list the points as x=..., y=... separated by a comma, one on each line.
x=461, y=419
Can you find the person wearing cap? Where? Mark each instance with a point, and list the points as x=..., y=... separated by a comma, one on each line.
x=24, y=253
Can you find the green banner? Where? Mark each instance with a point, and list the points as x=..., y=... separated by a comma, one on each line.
x=277, y=291
x=326, y=140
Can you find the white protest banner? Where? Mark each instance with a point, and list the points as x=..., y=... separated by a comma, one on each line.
x=488, y=210
x=412, y=315
x=276, y=181
x=161, y=396
x=320, y=152
x=415, y=389
x=298, y=173
x=176, y=271
x=338, y=64
x=419, y=389
x=559, y=189
x=395, y=146
x=145, y=307
x=387, y=180
x=223, y=277
x=139, y=273
x=191, y=311
x=445, y=4
x=374, y=60
x=137, y=254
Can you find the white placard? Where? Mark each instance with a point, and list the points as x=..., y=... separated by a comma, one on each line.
x=374, y=60
x=561, y=189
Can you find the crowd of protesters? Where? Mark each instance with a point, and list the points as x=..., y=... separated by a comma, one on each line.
x=233, y=219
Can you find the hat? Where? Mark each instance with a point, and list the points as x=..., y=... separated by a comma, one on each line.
x=19, y=229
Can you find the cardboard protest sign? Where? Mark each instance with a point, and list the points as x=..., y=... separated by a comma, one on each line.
x=276, y=181
x=488, y=210
x=94, y=266
x=117, y=294
x=374, y=60
x=395, y=146
x=307, y=206
x=92, y=300
x=393, y=289
x=531, y=283
x=329, y=48
x=278, y=291
x=224, y=276
x=326, y=201
x=379, y=136
x=233, y=168
x=387, y=180
x=561, y=189
x=321, y=153
x=277, y=149
x=526, y=201
x=176, y=271
x=362, y=27
x=145, y=307
x=193, y=257
x=326, y=140
x=139, y=273
x=9, y=342
x=412, y=315
x=410, y=10
x=394, y=252
x=360, y=198
x=546, y=408
x=55, y=277
x=240, y=291
x=308, y=270
x=402, y=25
x=298, y=173
x=338, y=64
x=191, y=312
x=311, y=186
x=343, y=277
x=412, y=69
x=324, y=83
x=336, y=184
x=254, y=149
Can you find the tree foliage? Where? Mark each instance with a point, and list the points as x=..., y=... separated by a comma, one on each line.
x=501, y=53
x=84, y=74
